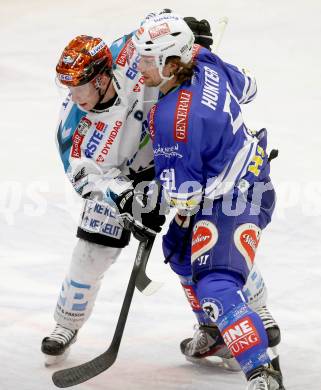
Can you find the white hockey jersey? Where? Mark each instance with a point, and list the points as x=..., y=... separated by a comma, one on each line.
x=113, y=138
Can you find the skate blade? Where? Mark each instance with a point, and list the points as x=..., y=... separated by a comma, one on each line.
x=54, y=360
x=231, y=364
x=226, y=364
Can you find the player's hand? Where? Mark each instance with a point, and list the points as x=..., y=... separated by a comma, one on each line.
x=201, y=30
x=139, y=214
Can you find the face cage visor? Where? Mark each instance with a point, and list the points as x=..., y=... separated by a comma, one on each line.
x=154, y=62
x=148, y=62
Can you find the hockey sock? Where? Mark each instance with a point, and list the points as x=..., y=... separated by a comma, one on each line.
x=242, y=329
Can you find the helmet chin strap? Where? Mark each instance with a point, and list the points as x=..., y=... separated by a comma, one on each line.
x=164, y=78
x=98, y=88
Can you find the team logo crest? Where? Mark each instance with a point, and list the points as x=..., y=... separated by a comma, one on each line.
x=212, y=307
x=67, y=60
x=83, y=126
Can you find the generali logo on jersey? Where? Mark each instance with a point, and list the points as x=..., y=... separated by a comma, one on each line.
x=126, y=53
x=151, y=122
x=159, y=31
x=181, y=115
x=241, y=336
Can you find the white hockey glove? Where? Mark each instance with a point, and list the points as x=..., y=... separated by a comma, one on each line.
x=83, y=174
x=133, y=208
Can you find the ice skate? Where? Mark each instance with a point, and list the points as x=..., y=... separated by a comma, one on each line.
x=270, y=325
x=56, y=347
x=207, y=341
x=265, y=378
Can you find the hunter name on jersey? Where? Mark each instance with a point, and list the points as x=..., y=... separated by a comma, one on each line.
x=211, y=88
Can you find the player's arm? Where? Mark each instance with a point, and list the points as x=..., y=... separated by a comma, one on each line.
x=131, y=205
x=241, y=82
x=212, y=165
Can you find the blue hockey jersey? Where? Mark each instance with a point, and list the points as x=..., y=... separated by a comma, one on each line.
x=201, y=144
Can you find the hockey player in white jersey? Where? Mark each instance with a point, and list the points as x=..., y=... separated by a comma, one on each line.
x=101, y=138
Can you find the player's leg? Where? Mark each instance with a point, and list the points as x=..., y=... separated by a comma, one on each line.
x=221, y=297
x=78, y=294
x=207, y=340
x=255, y=293
x=223, y=251
x=92, y=256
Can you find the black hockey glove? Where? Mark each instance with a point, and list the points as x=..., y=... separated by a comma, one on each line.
x=139, y=214
x=201, y=30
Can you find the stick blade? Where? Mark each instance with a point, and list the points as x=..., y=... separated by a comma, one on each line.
x=147, y=286
x=75, y=375
x=152, y=288
x=224, y=20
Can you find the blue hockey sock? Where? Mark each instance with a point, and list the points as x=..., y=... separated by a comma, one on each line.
x=242, y=329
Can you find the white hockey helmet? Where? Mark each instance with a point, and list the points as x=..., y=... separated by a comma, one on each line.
x=164, y=36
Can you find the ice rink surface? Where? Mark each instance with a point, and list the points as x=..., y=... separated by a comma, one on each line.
x=280, y=42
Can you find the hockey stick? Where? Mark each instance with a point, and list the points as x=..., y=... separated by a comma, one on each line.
x=75, y=375
x=143, y=283
x=222, y=23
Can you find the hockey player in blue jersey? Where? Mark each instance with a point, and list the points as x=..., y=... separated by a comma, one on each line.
x=206, y=340
x=216, y=173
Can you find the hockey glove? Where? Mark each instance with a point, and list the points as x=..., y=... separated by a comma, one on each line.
x=83, y=175
x=139, y=214
x=201, y=30
x=135, y=210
